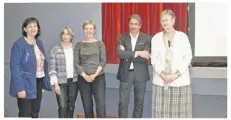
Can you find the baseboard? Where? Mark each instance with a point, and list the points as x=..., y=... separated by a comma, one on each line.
x=83, y=116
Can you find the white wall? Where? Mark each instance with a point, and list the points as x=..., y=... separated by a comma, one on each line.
x=211, y=29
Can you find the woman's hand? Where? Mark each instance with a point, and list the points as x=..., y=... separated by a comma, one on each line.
x=87, y=77
x=165, y=77
x=22, y=94
x=93, y=76
x=174, y=77
x=57, y=89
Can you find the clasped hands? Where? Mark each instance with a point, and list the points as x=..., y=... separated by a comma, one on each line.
x=89, y=78
x=168, y=78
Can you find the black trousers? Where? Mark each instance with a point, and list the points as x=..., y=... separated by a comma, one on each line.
x=97, y=88
x=31, y=107
x=66, y=99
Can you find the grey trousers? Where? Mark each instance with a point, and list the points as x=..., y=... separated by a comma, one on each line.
x=124, y=96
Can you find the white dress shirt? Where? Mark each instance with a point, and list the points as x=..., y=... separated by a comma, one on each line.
x=133, y=43
x=182, y=56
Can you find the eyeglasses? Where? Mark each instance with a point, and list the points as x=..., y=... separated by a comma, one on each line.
x=163, y=21
x=135, y=24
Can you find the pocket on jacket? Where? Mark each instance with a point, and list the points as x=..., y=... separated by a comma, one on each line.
x=26, y=78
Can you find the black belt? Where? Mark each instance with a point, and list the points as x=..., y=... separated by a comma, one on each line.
x=69, y=80
x=40, y=78
x=131, y=70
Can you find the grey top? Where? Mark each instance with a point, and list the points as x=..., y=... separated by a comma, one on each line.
x=88, y=56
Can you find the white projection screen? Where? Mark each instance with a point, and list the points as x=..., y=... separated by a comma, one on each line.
x=211, y=21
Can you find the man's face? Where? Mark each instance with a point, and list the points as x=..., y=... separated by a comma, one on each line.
x=134, y=25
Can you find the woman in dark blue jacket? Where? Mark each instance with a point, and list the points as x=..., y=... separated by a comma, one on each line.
x=29, y=70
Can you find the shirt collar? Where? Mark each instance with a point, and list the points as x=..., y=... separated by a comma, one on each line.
x=70, y=46
x=135, y=36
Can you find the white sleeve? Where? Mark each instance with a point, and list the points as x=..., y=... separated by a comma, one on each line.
x=187, y=55
x=155, y=55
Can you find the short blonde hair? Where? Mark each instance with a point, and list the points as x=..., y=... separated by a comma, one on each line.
x=167, y=12
x=135, y=16
x=87, y=22
x=69, y=30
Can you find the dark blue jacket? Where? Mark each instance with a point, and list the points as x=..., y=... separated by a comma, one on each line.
x=23, y=67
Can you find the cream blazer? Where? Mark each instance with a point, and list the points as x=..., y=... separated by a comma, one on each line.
x=182, y=56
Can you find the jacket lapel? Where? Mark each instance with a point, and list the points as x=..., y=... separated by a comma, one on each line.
x=129, y=44
x=139, y=41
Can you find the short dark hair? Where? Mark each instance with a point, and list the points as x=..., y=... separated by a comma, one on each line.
x=135, y=16
x=28, y=21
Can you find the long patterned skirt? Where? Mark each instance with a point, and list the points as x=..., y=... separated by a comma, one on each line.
x=176, y=102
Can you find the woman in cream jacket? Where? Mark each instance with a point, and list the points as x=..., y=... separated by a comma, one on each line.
x=171, y=56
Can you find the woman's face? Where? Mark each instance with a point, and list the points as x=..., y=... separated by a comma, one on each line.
x=89, y=31
x=31, y=29
x=66, y=36
x=167, y=22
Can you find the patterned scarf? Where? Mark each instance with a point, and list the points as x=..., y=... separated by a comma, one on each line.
x=168, y=59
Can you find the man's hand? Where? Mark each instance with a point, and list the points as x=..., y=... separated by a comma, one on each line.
x=121, y=47
x=144, y=54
